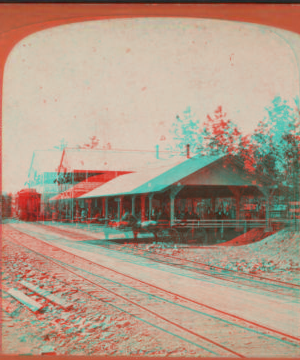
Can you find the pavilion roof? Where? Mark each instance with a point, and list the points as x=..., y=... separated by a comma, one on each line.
x=152, y=179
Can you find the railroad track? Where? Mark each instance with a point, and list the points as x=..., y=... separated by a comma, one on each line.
x=237, y=277
x=149, y=303
x=104, y=290
x=99, y=316
x=251, y=280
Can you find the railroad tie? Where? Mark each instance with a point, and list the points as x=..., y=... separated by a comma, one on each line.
x=46, y=294
x=25, y=300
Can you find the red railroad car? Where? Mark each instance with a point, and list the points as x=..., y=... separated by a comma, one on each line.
x=28, y=205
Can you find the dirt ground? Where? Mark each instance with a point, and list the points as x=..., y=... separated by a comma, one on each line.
x=276, y=256
x=91, y=327
x=96, y=328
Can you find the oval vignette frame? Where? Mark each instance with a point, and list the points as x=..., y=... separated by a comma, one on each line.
x=18, y=21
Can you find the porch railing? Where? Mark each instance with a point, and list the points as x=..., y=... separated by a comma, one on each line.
x=243, y=223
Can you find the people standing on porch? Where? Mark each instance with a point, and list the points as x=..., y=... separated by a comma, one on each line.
x=83, y=215
x=204, y=212
x=77, y=214
x=227, y=214
x=111, y=214
x=186, y=215
x=96, y=215
x=193, y=215
x=262, y=212
x=165, y=215
x=247, y=214
x=63, y=213
x=125, y=216
x=180, y=214
x=232, y=212
x=54, y=215
x=219, y=213
x=158, y=214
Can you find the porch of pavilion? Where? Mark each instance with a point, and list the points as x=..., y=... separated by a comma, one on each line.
x=196, y=180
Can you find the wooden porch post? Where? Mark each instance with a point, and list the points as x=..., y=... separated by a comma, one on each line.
x=172, y=212
x=199, y=207
x=72, y=196
x=237, y=195
x=174, y=191
x=72, y=207
x=103, y=208
x=213, y=206
x=143, y=208
x=133, y=206
x=268, y=225
x=238, y=206
x=89, y=207
x=267, y=196
x=120, y=207
x=76, y=211
x=150, y=205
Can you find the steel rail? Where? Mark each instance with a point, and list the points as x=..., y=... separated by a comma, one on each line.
x=170, y=292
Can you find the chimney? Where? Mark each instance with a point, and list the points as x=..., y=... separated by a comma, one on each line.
x=157, y=151
x=188, y=151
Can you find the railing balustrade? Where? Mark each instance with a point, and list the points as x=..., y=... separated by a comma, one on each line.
x=226, y=223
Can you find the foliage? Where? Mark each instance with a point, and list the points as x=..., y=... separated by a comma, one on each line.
x=264, y=151
x=219, y=135
x=276, y=142
x=185, y=131
x=273, y=149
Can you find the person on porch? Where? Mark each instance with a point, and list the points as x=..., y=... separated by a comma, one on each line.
x=83, y=215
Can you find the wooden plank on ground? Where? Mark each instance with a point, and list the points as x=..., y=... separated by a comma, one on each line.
x=46, y=294
x=24, y=299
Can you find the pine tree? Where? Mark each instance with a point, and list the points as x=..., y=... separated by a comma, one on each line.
x=246, y=153
x=264, y=151
x=219, y=135
x=185, y=131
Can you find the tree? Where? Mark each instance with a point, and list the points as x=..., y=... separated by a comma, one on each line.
x=246, y=153
x=264, y=151
x=289, y=150
x=185, y=130
x=289, y=147
x=277, y=145
x=219, y=135
x=272, y=149
x=276, y=141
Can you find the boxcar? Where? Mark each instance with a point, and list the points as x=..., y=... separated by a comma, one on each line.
x=28, y=205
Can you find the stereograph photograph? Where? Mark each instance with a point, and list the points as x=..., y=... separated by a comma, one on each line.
x=150, y=180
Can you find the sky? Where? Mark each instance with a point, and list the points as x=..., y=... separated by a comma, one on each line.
x=125, y=81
